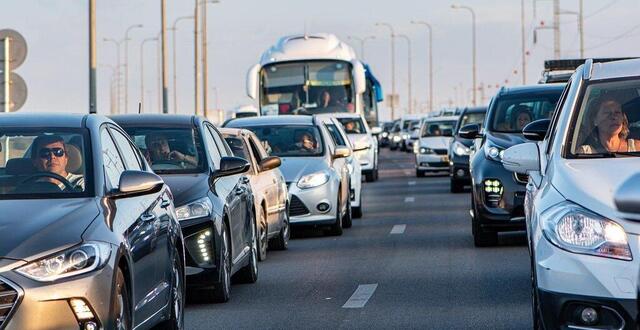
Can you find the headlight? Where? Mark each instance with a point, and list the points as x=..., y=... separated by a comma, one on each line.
x=196, y=209
x=313, y=180
x=427, y=151
x=396, y=138
x=77, y=260
x=577, y=230
x=385, y=134
x=493, y=152
x=460, y=149
x=405, y=136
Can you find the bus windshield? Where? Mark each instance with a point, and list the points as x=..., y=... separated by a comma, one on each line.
x=306, y=88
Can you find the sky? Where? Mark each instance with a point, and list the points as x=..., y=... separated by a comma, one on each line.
x=56, y=31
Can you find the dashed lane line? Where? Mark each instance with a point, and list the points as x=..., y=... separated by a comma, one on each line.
x=409, y=199
x=398, y=229
x=361, y=296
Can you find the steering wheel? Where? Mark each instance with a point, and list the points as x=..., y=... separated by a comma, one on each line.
x=60, y=178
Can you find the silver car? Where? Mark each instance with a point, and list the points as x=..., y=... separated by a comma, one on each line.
x=314, y=167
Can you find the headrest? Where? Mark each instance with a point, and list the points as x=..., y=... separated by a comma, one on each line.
x=75, y=162
x=20, y=166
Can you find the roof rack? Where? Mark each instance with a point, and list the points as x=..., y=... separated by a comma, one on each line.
x=572, y=64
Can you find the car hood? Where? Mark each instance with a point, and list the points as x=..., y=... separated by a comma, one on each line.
x=293, y=168
x=588, y=183
x=506, y=140
x=187, y=187
x=33, y=228
x=435, y=142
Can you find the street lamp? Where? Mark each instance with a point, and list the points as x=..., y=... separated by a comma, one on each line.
x=409, y=71
x=117, y=43
x=142, y=69
x=393, y=66
x=362, y=42
x=126, y=65
x=473, y=41
x=430, y=61
x=205, y=67
x=175, y=75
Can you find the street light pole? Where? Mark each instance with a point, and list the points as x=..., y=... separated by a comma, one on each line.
x=142, y=70
x=163, y=23
x=409, y=70
x=92, y=57
x=126, y=65
x=524, y=50
x=117, y=43
x=175, y=66
x=393, y=66
x=362, y=42
x=473, y=41
x=205, y=62
x=430, y=61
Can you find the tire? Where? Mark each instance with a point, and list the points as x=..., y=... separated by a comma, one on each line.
x=336, y=228
x=356, y=212
x=456, y=186
x=263, y=239
x=535, y=305
x=222, y=291
x=482, y=237
x=419, y=173
x=376, y=174
x=347, y=221
x=281, y=242
x=368, y=176
x=249, y=273
x=176, y=314
x=121, y=304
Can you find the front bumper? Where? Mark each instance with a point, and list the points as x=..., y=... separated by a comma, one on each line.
x=46, y=305
x=432, y=162
x=459, y=169
x=566, y=280
x=303, y=208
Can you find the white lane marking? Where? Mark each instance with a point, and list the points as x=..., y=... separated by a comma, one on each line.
x=361, y=296
x=398, y=229
x=412, y=183
x=407, y=172
x=409, y=199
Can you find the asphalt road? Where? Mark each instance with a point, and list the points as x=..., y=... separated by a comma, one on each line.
x=408, y=263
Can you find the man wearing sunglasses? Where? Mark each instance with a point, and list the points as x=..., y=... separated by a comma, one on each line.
x=49, y=154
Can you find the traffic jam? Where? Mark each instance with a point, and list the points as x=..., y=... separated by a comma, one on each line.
x=311, y=211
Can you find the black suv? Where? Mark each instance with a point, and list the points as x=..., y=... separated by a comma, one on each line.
x=498, y=195
x=460, y=148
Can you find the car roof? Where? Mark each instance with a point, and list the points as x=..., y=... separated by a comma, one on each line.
x=234, y=131
x=443, y=118
x=271, y=120
x=341, y=115
x=475, y=110
x=526, y=89
x=21, y=119
x=616, y=69
x=154, y=120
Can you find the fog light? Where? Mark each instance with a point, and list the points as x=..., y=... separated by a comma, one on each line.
x=200, y=247
x=460, y=172
x=90, y=326
x=323, y=207
x=80, y=308
x=589, y=316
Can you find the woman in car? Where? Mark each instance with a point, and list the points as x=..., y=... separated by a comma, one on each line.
x=522, y=118
x=610, y=129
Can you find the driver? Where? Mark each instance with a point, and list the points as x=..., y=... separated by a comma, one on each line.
x=159, y=150
x=49, y=154
x=306, y=142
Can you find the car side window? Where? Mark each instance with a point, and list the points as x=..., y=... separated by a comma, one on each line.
x=129, y=154
x=212, y=149
x=551, y=133
x=335, y=135
x=112, y=162
x=224, y=149
x=255, y=150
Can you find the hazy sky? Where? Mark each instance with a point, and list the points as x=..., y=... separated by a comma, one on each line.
x=240, y=30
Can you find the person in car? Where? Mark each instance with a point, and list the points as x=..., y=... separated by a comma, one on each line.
x=325, y=99
x=350, y=128
x=158, y=149
x=610, y=129
x=522, y=118
x=49, y=154
x=306, y=142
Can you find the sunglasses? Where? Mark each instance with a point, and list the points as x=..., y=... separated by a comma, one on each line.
x=45, y=152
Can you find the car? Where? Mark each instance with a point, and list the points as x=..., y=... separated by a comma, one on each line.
x=364, y=143
x=213, y=198
x=497, y=195
x=582, y=201
x=314, y=168
x=340, y=138
x=89, y=233
x=430, y=150
x=269, y=189
x=407, y=124
x=395, y=135
x=460, y=148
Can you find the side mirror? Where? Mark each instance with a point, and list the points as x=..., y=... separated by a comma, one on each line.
x=269, y=163
x=627, y=197
x=342, y=152
x=536, y=130
x=522, y=158
x=471, y=131
x=376, y=130
x=359, y=78
x=360, y=146
x=138, y=183
x=231, y=166
x=252, y=81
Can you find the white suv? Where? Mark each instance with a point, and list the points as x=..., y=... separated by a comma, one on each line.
x=361, y=138
x=584, y=250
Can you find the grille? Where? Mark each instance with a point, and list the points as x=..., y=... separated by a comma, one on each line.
x=440, y=151
x=296, y=207
x=8, y=298
x=521, y=178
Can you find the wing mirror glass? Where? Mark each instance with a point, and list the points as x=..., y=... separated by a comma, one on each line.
x=231, y=166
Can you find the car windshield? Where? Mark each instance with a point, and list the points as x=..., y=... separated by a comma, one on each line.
x=170, y=150
x=290, y=140
x=438, y=128
x=44, y=163
x=352, y=125
x=608, y=124
x=512, y=114
x=237, y=146
x=472, y=118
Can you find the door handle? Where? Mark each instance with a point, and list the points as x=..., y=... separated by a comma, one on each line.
x=147, y=217
x=165, y=203
x=240, y=191
x=244, y=180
